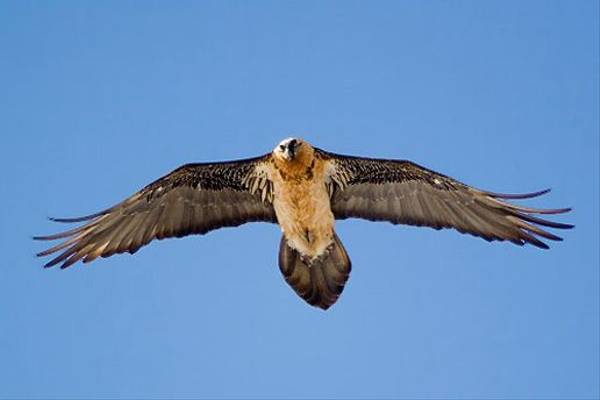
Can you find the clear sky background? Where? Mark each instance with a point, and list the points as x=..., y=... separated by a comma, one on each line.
x=97, y=99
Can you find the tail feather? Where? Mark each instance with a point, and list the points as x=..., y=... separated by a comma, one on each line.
x=321, y=281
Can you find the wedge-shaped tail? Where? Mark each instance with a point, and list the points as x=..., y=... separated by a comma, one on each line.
x=319, y=282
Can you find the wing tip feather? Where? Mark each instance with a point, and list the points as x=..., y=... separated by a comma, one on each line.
x=516, y=196
x=72, y=220
x=82, y=218
x=49, y=264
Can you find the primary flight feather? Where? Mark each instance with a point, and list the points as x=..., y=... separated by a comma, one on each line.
x=304, y=190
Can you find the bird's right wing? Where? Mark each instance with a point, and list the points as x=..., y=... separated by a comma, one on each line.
x=193, y=199
x=403, y=192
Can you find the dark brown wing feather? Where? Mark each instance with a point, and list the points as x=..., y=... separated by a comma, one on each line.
x=403, y=192
x=193, y=199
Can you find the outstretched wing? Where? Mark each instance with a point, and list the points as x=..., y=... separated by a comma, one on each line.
x=193, y=199
x=403, y=192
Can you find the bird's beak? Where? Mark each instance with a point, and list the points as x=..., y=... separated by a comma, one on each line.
x=290, y=150
x=289, y=153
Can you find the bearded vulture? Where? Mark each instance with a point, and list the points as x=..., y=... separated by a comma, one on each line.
x=304, y=189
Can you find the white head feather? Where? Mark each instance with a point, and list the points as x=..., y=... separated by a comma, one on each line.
x=280, y=149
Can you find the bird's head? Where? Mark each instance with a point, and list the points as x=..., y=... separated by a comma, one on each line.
x=293, y=155
x=290, y=149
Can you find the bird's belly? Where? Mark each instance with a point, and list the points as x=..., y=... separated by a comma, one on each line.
x=304, y=214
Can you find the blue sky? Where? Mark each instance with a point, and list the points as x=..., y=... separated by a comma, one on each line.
x=100, y=98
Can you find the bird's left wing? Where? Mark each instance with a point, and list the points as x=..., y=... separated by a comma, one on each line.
x=193, y=199
x=403, y=192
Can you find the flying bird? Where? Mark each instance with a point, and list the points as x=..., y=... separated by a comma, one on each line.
x=305, y=190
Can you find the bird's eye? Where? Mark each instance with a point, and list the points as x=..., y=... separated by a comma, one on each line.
x=281, y=147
